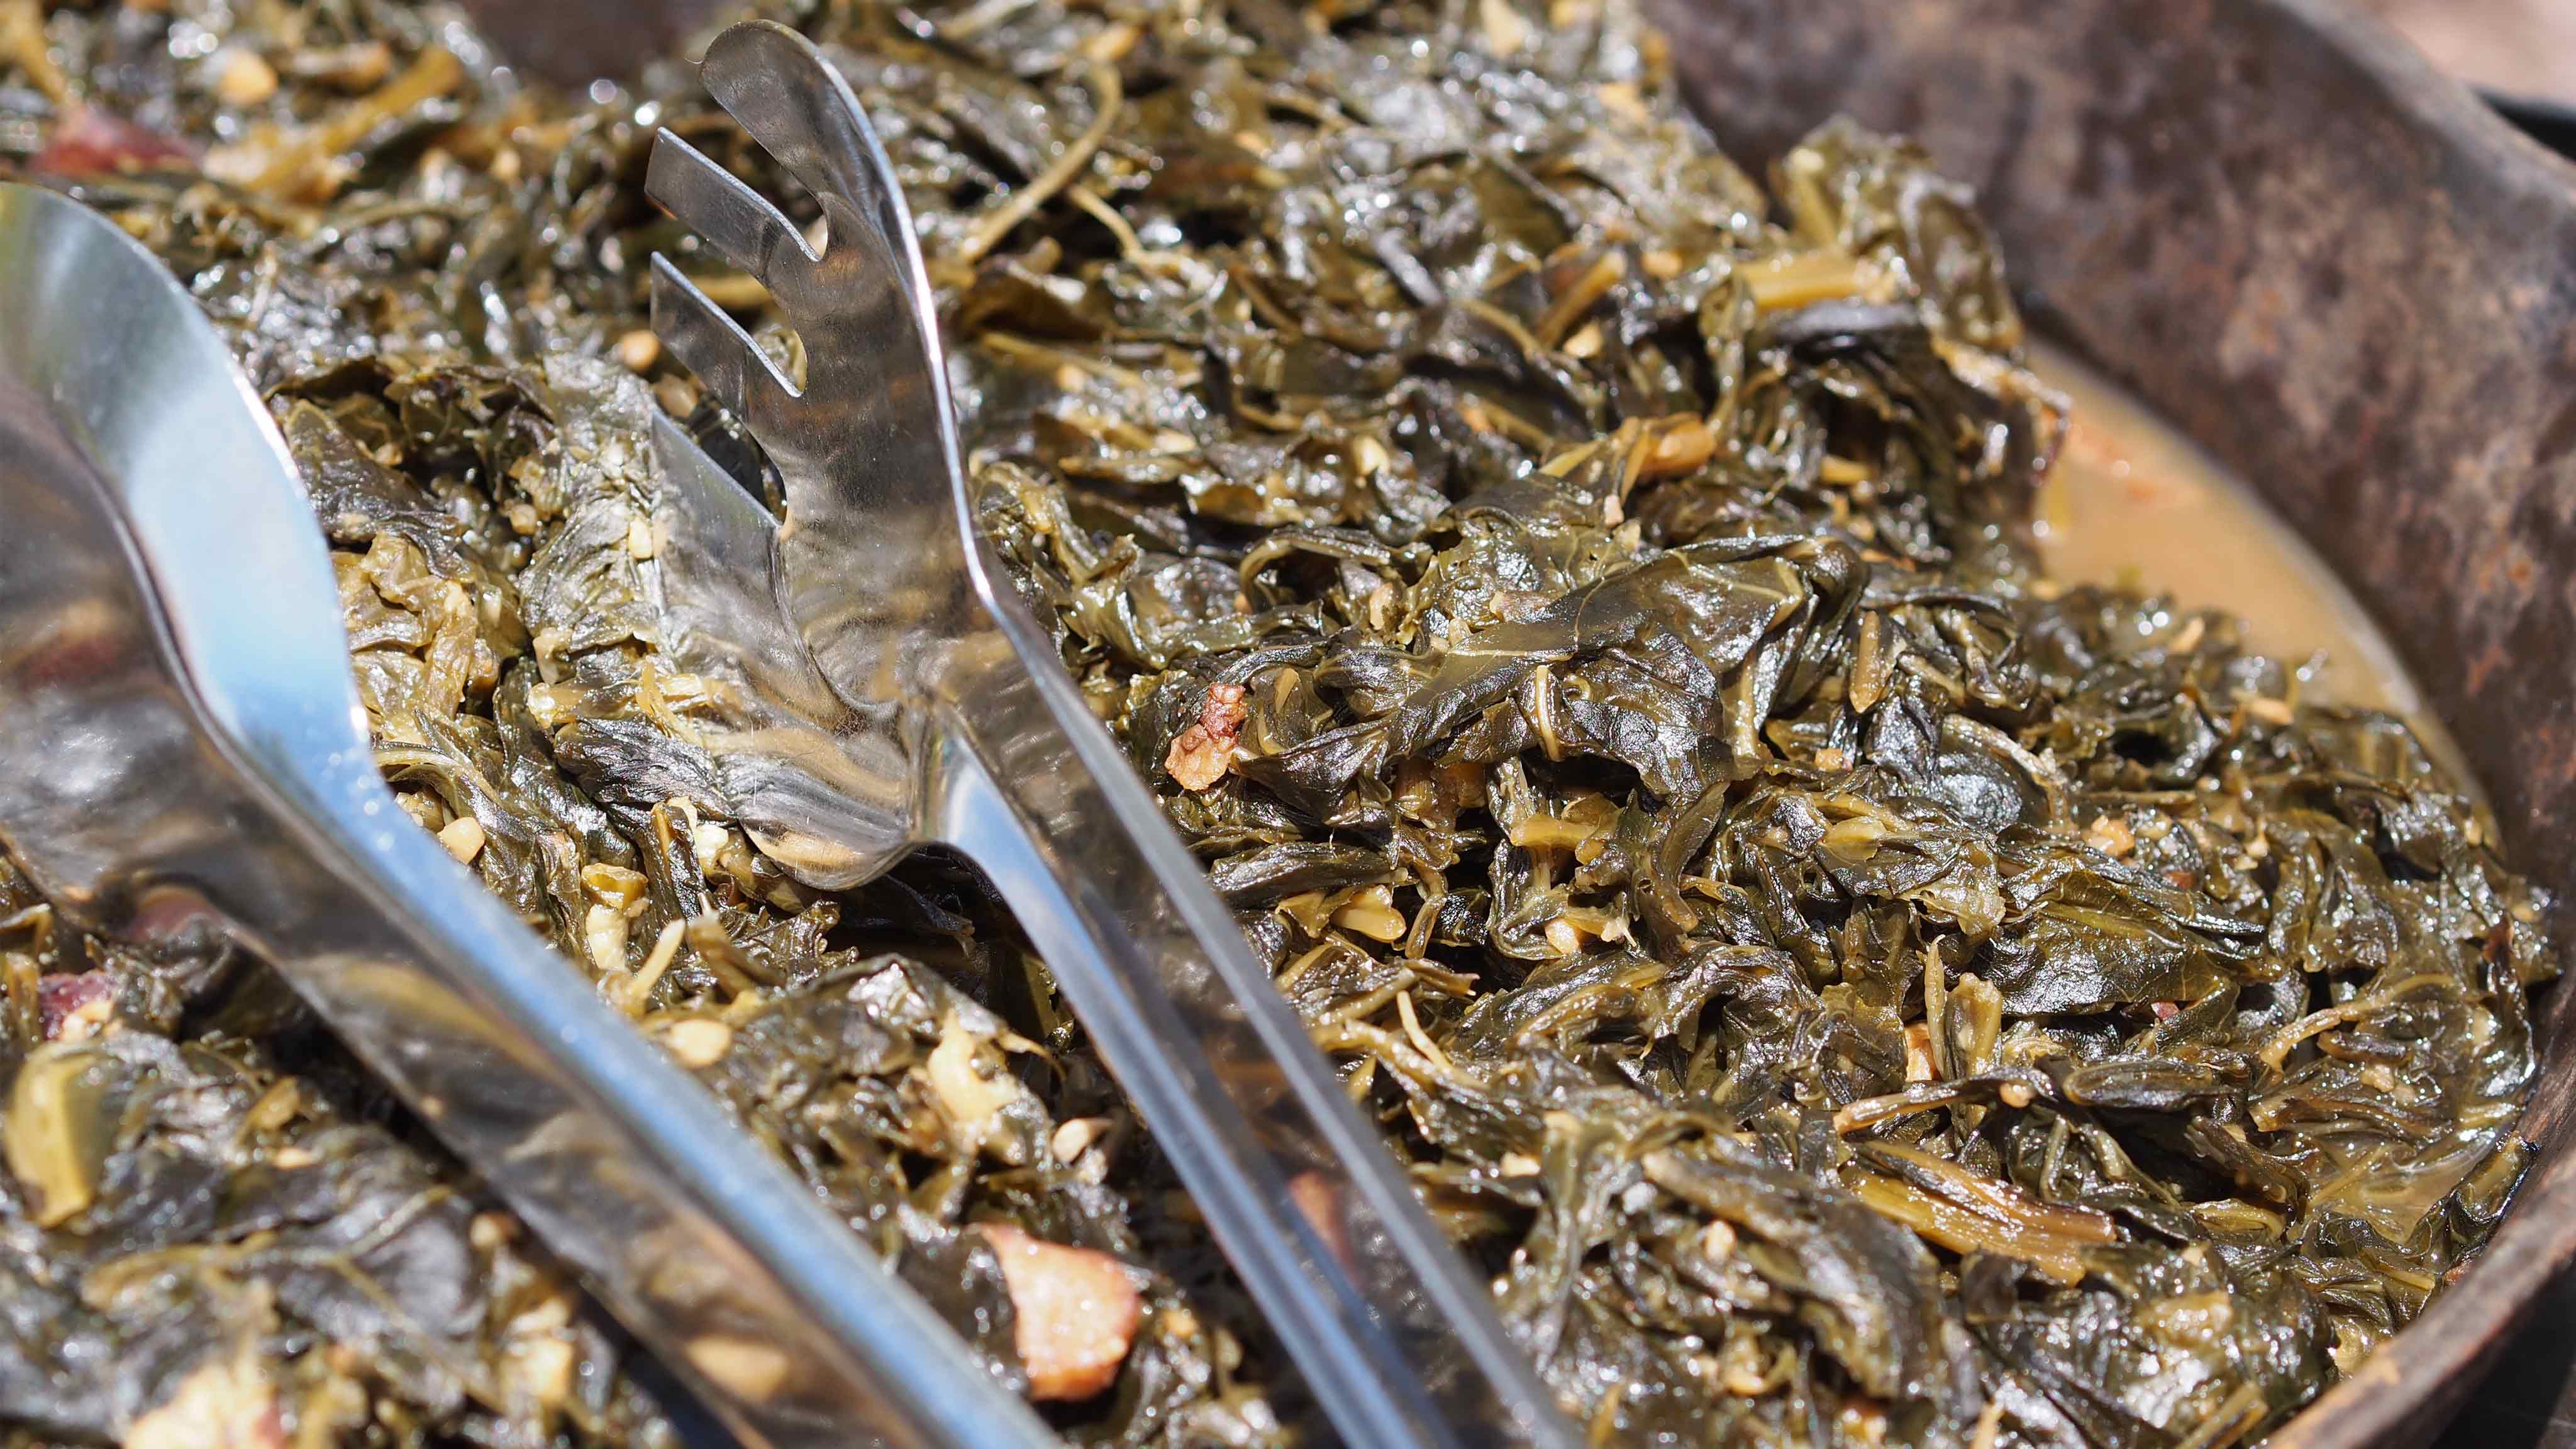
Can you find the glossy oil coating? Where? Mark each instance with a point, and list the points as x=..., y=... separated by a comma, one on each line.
x=949, y=720
x=184, y=758
x=2344, y=276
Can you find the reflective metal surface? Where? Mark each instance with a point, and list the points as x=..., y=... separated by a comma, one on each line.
x=183, y=753
x=892, y=691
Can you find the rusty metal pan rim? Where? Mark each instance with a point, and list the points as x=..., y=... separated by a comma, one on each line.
x=2472, y=248
x=2401, y=1394
x=2436, y=1359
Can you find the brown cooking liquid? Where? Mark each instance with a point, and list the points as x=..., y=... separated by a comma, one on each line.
x=2133, y=503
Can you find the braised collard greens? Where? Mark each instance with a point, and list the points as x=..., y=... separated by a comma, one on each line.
x=1844, y=987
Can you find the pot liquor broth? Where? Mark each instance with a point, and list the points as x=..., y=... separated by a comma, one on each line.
x=2134, y=503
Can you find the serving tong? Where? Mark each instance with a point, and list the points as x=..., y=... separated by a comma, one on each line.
x=184, y=760
x=894, y=691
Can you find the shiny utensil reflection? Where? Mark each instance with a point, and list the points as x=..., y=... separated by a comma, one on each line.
x=183, y=756
x=891, y=690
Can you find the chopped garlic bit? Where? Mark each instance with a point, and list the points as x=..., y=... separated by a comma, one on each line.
x=639, y=350
x=1864, y=1421
x=707, y=843
x=1717, y=1241
x=537, y=1358
x=464, y=838
x=1076, y=1136
x=489, y=1231
x=1506, y=31
x=226, y=1404
x=699, y=1041
x=553, y=708
x=541, y=1369
x=1682, y=446
x=603, y=935
x=243, y=78
x=746, y=1368
x=1371, y=912
x=2111, y=836
x=972, y=1100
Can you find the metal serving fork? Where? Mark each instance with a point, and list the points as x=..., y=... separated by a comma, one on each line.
x=183, y=758
x=893, y=691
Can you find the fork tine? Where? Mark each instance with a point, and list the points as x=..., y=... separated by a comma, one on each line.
x=814, y=127
x=714, y=346
x=727, y=214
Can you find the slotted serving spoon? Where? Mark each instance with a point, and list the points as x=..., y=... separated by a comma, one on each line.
x=892, y=691
x=184, y=759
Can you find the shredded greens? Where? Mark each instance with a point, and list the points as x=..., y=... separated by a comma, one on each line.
x=1845, y=987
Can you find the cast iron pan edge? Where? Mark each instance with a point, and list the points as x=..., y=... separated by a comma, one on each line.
x=2344, y=275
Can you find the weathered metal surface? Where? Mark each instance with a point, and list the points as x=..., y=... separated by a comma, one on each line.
x=2324, y=261
x=2338, y=271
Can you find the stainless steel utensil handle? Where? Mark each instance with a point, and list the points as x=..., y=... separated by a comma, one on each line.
x=183, y=756
x=1302, y=1193
x=700, y=1242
